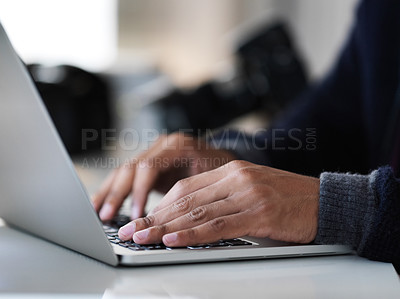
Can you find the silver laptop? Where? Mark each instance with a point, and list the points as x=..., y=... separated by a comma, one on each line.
x=41, y=194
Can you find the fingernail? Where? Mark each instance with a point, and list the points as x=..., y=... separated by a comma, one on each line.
x=142, y=235
x=106, y=212
x=170, y=238
x=127, y=231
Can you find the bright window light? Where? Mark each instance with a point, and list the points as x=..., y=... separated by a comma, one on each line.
x=77, y=32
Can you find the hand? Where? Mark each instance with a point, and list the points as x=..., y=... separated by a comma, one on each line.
x=171, y=158
x=235, y=200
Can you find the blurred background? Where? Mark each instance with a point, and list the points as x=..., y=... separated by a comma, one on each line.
x=105, y=66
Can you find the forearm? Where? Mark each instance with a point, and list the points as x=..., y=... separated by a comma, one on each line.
x=363, y=212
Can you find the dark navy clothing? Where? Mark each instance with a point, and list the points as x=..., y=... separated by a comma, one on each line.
x=348, y=122
x=353, y=107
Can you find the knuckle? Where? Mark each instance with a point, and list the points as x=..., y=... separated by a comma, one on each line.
x=145, y=163
x=244, y=174
x=173, y=138
x=183, y=204
x=218, y=225
x=259, y=190
x=114, y=193
x=148, y=220
x=176, y=135
x=173, y=135
x=237, y=164
x=181, y=184
x=191, y=234
x=159, y=140
x=162, y=229
x=265, y=209
x=115, y=196
x=197, y=214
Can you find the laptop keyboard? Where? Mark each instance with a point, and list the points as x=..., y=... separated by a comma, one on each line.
x=111, y=230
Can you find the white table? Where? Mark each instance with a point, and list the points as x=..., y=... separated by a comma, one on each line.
x=33, y=268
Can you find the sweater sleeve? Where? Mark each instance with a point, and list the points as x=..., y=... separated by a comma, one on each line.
x=362, y=211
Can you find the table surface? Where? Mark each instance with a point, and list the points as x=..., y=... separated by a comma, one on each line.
x=34, y=268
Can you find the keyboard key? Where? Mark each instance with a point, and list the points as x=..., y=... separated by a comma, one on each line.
x=235, y=242
x=111, y=230
x=117, y=221
x=218, y=244
x=115, y=235
x=160, y=246
x=196, y=247
x=134, y=248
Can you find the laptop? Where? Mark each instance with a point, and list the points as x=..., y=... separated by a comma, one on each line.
x=41, y=194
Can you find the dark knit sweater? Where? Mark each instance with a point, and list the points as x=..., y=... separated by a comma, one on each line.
x=346, y=123
x=362, y=211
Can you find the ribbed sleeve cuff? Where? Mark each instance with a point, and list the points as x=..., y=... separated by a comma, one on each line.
x=346, y=204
